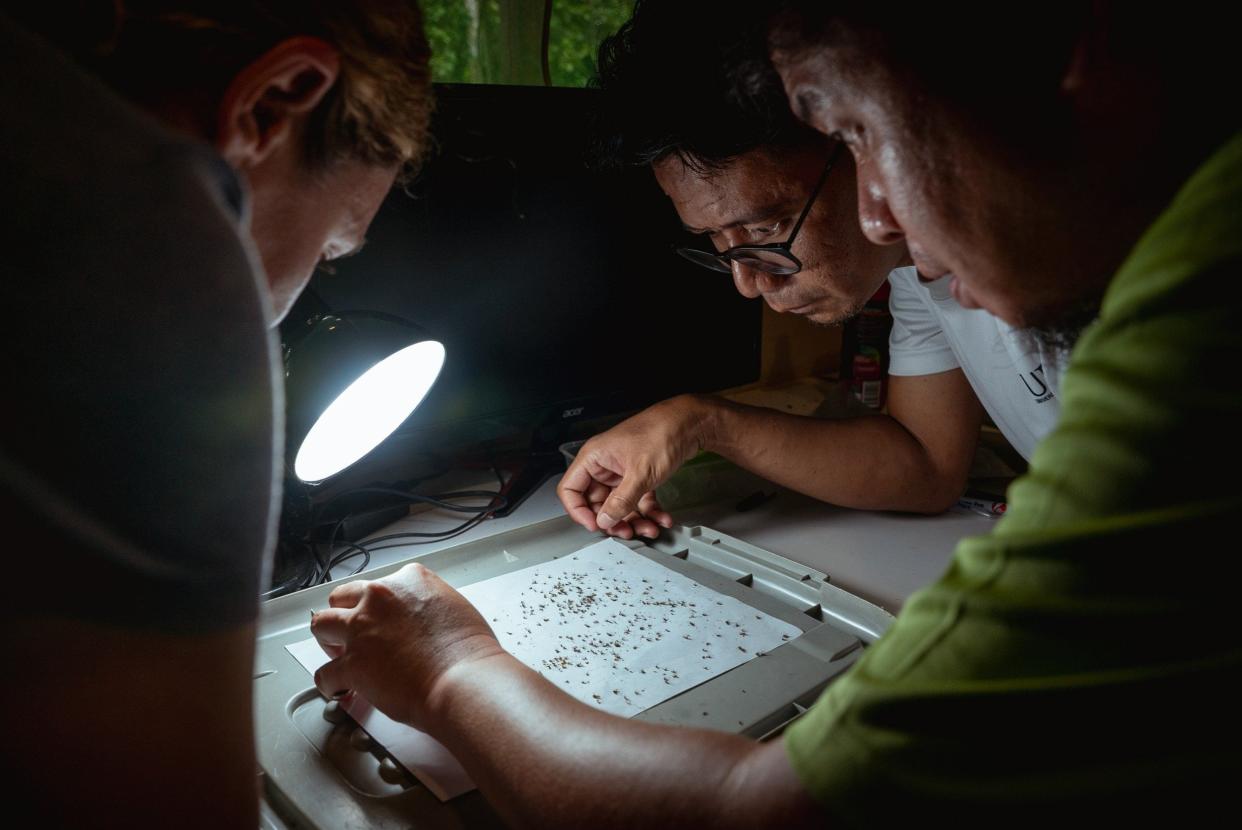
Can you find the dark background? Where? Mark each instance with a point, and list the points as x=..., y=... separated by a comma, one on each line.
x=553, y=286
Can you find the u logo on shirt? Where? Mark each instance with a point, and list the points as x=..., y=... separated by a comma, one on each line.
x=1043, y=393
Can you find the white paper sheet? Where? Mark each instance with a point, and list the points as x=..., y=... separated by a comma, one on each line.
x=610, y=627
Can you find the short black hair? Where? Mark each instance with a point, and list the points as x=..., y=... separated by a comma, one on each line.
x=1002, y=66
x=970, y=51
x=669, y=83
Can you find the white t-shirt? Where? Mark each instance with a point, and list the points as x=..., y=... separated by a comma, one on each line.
x=1012, y=377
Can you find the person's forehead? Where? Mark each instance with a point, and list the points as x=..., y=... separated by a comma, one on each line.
x=829, y=79
x=749, y=188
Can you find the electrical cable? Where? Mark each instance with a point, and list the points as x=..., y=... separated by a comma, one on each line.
x=325, y=564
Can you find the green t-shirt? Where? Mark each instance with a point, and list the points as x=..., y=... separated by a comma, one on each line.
x=1087, y=652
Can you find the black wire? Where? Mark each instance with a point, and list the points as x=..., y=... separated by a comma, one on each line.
x=463, y=528
x=318, y=509
x=426, y=539
x=496, y=500
x=344, y=557
x=320, y=565
x=324, y=569
x=440, y=500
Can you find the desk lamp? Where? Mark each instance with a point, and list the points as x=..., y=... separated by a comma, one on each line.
x=351, y=378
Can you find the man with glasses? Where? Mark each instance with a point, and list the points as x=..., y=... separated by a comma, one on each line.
x=775, y=258
x=776, y=203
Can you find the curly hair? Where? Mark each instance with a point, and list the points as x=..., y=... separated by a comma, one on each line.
x=154, y=51
x=670, y=83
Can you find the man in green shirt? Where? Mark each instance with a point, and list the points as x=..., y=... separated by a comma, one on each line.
x=1069, y=661
x=1069, y=658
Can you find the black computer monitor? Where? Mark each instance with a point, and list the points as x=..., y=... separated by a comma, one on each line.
x=553, y=286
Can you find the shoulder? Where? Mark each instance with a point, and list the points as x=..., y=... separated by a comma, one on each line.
x=1151, y=398
x=904, y=280
x=140, y=335
x=908, y=298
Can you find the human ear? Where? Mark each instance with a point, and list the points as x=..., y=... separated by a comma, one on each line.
x=271, y=96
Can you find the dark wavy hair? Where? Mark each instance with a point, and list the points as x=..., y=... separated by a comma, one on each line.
x=669, y=83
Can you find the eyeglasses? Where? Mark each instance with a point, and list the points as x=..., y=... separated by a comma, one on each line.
x=774, y=257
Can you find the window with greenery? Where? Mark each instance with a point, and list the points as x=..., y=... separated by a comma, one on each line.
x=504, y=41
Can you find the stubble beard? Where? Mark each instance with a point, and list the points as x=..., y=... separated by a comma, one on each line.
x=840, y=318
x=1058, y=337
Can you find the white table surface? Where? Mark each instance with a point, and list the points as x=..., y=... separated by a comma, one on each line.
x=881, y=557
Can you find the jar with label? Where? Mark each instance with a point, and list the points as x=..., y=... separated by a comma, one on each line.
x=864, y=350
x=867, y=384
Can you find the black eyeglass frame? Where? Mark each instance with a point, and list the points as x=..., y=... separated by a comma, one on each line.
x=723, y=260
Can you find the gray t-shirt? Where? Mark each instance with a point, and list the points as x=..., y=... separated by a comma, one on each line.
x=140, y=440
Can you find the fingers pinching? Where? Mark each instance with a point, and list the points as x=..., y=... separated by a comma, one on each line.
x=622, y=530
x=331, y=630
x=644, y=527
x=347, y=595
x=331, y=680
x=572, y=491
x=650, y=507
x=618, y=506
x=597, y=494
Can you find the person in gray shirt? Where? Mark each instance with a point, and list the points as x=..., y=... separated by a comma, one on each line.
x=173, y=172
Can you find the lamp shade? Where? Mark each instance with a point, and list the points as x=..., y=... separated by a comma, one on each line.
x=351, y=378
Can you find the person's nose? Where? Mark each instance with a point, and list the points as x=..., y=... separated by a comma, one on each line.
x=744, y=279
x=877, y=220
x=751, y=282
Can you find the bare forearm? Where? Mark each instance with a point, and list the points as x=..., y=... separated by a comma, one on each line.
x=544, y=759
x=868, y=462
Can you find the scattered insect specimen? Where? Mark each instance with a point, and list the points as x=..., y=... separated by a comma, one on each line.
x=605, y=633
